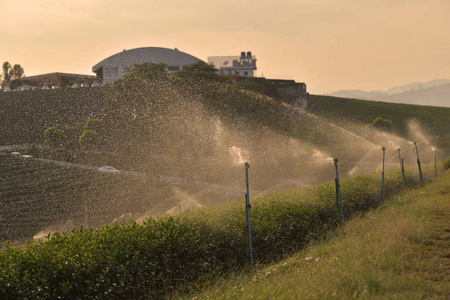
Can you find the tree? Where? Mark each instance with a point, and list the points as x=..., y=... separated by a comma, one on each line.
x=16, y=72
x=202, y=70
x=148, y=71
x=199, y=68
x=89, y=139
x=6, y=67
x=382, y=124
x=53, y=137
x=93, y=124
x=11, y=74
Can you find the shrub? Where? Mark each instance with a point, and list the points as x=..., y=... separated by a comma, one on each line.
x=53, y=136
x=447, y=164
x=89, y=139
x=382, y=124
x=93, y=124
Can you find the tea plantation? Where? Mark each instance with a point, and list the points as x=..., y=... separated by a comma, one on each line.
x=152, y=259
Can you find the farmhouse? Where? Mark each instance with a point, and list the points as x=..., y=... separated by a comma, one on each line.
x=116, y=66
x=244, y=65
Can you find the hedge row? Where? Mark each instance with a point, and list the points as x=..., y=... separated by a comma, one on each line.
x=150, y=260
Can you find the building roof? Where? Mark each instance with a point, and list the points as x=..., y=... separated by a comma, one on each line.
x=148, y=55
x=80, y=76
x=228, y=61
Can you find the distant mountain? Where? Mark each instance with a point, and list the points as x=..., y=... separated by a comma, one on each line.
x=434, y=93
x=416, y=86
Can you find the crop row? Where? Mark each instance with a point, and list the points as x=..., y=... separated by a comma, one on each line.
x=151, y=259
x=36, y=194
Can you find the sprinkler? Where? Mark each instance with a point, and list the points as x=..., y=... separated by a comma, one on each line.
x=402, y=168
x=247, y=209
x=382, y=177
x=435, y=169
x=338, y=191
x=418, y=163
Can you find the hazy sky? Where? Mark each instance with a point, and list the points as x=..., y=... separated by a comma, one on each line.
x=328, y=44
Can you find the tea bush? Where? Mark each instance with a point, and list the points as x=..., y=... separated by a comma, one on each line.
x=447, y=164
x=131, y=261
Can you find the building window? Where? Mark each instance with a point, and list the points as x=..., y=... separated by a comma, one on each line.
x=245, y=73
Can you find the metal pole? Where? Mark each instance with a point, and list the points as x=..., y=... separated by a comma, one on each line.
x=382, y=177
x=401, y=167
x=435, y=169
x=338, y=187
x=337, y=198
x=247, y=205
x=418, y=163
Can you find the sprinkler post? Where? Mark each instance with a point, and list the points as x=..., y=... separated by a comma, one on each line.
x=382, y=177
x=435, y=169
x=247, y=208
x=338, y=190
x=401, y=167
x=418, y=163
x=337, y=198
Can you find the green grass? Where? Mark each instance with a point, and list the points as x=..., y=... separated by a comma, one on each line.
x=400, y=251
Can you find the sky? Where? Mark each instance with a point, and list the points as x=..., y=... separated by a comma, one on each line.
x=328, y=44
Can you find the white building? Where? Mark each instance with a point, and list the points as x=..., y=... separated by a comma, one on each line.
x=117, y=65
x=244, y=65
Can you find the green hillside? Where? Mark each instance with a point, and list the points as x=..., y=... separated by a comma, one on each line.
x=25, y=115
x=43, y=196
x=187, y=140
x=434, y=120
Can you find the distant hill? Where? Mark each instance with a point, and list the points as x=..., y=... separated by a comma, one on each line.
x=433, y=96
x=432, y=93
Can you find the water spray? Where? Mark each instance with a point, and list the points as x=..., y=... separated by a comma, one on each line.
x=402, y=168
x=338, y=191
x=382, y=176
x=247, y=209
x=418, y=163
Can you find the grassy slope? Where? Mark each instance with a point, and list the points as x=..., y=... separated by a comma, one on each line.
x=398, y=252
x=436, y=120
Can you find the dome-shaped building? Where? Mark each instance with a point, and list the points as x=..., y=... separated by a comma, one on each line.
x=117, y=65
